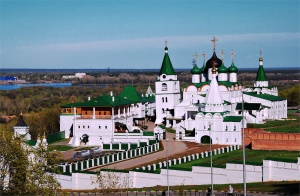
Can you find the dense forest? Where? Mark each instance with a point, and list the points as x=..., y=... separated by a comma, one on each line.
x=41, y=105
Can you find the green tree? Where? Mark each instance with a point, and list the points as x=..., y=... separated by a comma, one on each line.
x=26, y=170
x=292, y=94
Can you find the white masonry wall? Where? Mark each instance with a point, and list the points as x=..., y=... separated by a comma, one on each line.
x=233, y=173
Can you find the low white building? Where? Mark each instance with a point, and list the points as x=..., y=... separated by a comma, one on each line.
x=107, y=118
x=77, y=75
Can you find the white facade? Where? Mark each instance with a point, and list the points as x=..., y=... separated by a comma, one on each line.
x=214, y=100
x=167, y=95
x=233, y=173
x=106, y=119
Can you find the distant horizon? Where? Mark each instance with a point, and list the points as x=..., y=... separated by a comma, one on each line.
x=87, y=70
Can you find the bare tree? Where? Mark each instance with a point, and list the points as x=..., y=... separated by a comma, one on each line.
x=110, y=181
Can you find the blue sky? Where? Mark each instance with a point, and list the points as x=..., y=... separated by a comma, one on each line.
x=131, y=34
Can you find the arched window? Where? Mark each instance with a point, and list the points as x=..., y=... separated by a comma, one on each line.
x=166, y=99
x=164, y=87
x=163, y=99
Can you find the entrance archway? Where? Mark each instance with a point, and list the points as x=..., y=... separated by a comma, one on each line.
x=205, y=139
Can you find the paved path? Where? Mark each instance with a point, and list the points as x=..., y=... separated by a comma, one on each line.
x=174, y=147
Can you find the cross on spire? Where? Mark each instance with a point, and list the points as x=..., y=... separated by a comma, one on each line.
x=166, y=46
x=203, y=54
x=260, y=52
x=194, y=61
x=196, y=56
x=214, y=40
x=232, y=55
x=222, y=54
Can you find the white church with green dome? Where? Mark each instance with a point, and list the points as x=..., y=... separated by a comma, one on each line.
x=211, y=105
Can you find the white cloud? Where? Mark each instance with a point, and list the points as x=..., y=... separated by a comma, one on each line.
x=176, y=42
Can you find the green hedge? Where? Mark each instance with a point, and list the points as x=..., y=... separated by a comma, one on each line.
x=55, y=137
x=124, y=146
x=106, y=146
x=152, y=142
x=115, y=146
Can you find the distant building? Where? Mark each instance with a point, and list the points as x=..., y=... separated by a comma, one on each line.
x=77, y=75
x=8, y=78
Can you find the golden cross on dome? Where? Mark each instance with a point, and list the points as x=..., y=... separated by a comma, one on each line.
x=214, y=40
x=204, y=55
x=232, y=55
x=196, y=56
x=222, y=53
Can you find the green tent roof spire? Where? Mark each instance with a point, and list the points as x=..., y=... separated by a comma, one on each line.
x=166, y=66
x=261, y=76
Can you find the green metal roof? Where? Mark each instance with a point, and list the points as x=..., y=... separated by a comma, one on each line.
x=228, y=84
x=225, y=83
x=129, y=92
x=150, y=99
x=212, y=113
x=129, y=95
x=232, y=119
x=102, y=101
x=261, y=76
x=265, y=96
x=166, y=66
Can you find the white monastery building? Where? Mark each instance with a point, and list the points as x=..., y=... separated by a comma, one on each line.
x=211, y=105
x=209, y=109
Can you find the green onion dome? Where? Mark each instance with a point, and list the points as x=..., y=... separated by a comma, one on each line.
x=195, y=70
x=222, y=69
x=233, y=68
x=202, y=68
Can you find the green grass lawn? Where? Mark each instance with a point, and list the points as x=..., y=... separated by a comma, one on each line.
x=59, y=147
x=253, y=157
x=292, y=125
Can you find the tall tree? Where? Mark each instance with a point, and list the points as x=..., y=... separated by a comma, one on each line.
x=26, y=170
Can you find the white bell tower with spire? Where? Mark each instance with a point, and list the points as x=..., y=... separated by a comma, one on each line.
x=167, y=89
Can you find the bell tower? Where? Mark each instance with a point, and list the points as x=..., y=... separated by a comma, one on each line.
x=167, y=89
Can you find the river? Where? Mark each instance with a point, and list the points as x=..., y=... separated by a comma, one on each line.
x=17, y=86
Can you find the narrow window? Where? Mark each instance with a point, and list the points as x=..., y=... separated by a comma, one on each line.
x=105, y=127
x=163, y=99
x=164, y=87
x=166, y=99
